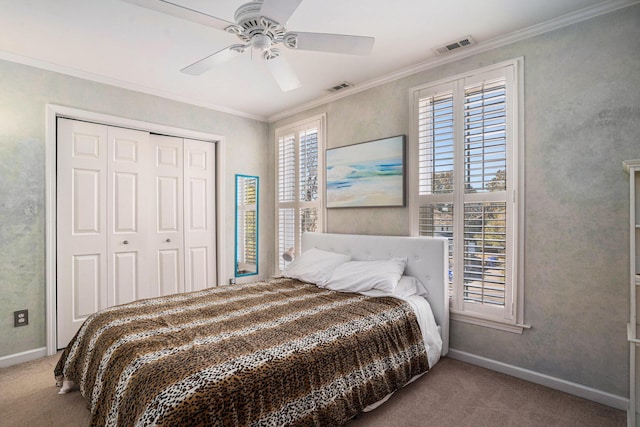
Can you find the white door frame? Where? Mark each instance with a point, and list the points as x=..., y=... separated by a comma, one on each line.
x=53, y=112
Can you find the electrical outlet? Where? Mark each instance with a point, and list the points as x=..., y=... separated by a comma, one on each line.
x=20, y=318
x=232, y=281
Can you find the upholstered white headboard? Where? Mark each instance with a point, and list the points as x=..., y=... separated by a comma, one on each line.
x=427, y=260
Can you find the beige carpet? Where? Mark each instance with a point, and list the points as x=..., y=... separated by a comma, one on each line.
x=452, y=394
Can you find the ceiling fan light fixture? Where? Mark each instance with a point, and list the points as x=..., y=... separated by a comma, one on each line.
x=261, y=42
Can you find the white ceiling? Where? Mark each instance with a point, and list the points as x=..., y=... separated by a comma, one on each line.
x=120, y=43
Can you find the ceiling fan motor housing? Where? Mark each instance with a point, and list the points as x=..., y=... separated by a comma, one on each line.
x=248, y=11
x=254, y=29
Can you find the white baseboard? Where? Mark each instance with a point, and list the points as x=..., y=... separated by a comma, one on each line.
x=25, y=356
x=579, y=390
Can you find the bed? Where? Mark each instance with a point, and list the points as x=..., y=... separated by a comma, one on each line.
x=275, y=352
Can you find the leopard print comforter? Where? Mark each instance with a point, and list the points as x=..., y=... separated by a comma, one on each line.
x=273, y=353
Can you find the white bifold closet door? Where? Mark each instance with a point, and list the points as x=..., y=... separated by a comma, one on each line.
x=135, y=218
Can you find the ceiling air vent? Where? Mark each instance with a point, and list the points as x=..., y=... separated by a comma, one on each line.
x=341, y=86
x=465, y=42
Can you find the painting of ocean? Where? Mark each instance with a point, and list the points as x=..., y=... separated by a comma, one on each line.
x=366, y=174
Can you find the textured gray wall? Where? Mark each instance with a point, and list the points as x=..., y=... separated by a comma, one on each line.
x=24, y=93
x=582, y=118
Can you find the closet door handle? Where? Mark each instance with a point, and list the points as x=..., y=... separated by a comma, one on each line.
x=168, y=240
x=126, y=242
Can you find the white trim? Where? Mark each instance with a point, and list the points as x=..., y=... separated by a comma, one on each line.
x=532, y=31
x=519, y=187
x=221, y=230
x=106, y=119
x=44, y=65
x=629, y=164
x=475, y=319
x=595, y=395
x=413, y=166
x=632, y=411
x=50, y=243
x=25, y=356
x=52, y=113
x=443, y=84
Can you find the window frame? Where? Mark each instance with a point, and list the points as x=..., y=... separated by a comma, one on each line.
x=511, y=318
x=318, y=122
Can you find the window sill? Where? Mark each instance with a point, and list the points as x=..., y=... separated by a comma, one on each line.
x=489, y=323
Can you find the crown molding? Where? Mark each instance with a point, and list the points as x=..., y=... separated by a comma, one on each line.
x=11, y=57
x=562, y=21
x=532, y=31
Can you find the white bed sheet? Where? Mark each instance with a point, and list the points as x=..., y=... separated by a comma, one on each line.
x=428, y=326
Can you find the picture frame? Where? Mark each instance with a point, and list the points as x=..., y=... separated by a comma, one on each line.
x=367, y=174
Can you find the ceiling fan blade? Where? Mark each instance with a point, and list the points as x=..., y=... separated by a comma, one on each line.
x=279, y=10
x=283, y=73
x=182, y=12
x=336, y=43
x=205, y=64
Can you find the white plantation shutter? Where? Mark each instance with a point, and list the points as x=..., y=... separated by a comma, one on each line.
x=286, y=193
x=485, y=253
x=309, y=165
x=300, y=184
x=435, y=151
x=286, y=233
x=436, y=165
x=286, y=168
x=485, y=180
x=467, y=169
x=485, y=140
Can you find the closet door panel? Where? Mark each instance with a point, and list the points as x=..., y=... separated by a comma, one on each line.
x=81, y=229
x=168, y=204
x=86, y=285
x=125, y=274
x=200, y=208
x=125, y=203
x=169, y=262
x=129, y=210
x=167, y=239
x=86, y=194
x=198, y=267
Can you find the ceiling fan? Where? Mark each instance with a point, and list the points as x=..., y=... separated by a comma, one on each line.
x=260, y=25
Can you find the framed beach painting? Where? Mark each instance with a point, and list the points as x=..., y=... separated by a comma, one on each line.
x=368, y=174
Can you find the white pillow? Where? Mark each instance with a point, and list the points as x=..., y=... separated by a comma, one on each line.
x=358, y=276
x=407, y=286
x=314, y=266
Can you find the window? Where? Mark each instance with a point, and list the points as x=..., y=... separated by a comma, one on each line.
x=467, y=188
x=299, y=184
